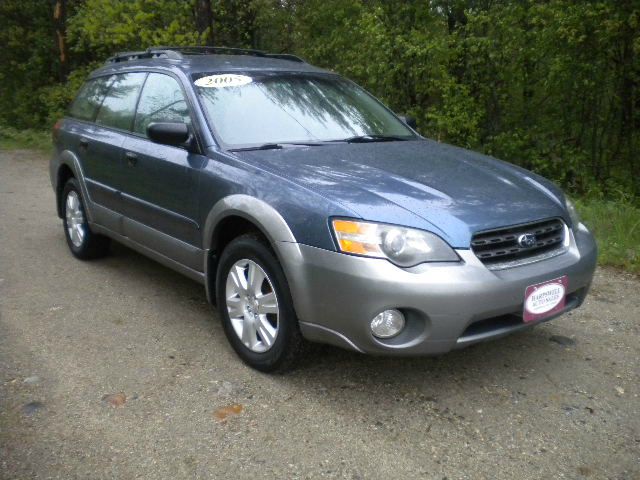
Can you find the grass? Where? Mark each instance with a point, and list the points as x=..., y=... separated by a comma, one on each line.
x=12, y=139
x=616, y=226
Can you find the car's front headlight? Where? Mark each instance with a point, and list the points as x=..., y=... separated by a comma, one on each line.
x=402, y=246
x=573, y=213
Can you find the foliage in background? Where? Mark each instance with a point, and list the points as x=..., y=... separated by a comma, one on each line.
x=26, y=66
x=553, y=86
x=12, y=139
x=616, y=225
x=99, y=28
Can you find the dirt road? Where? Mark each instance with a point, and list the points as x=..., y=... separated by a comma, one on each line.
x=558, y=401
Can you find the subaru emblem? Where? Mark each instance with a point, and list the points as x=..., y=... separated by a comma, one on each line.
x=527, y=240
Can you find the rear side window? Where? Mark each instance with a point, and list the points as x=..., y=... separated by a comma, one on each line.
x=162, y=100
x=86, y=104
x=118, y=108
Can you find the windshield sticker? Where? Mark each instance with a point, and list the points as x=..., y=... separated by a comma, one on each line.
x=222, y=81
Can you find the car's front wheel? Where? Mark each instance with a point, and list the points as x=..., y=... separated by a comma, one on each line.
x=256, y=307
x=83, y=243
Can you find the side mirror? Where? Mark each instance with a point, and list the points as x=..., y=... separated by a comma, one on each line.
x=174, y=134
x=410, y=121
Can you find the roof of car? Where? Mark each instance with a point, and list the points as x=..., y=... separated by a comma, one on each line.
x=205, y=59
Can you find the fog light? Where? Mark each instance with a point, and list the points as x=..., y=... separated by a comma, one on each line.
x=387, y=324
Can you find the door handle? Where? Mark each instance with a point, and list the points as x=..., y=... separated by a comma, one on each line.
x=132, y=158
x=84, y=143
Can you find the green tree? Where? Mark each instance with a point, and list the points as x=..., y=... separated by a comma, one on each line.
x=550, y=85
x=101, y=27
x=28, y=60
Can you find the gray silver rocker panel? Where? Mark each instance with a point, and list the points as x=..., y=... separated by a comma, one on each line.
x=153, y=254
x=138, y=235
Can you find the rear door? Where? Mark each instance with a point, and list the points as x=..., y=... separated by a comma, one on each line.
x=91, y=144
x=160, y=184
x=100, y=143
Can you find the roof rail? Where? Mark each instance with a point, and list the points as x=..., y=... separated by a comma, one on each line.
x=206, y=50
x=128, y=56
x=177, y=53
x=285, y=56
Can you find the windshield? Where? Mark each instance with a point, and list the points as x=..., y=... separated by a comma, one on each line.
x=292, y=108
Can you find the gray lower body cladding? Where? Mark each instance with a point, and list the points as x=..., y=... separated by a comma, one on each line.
x=447, y=305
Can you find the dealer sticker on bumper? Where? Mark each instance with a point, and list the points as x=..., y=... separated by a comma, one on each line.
x=544, y=299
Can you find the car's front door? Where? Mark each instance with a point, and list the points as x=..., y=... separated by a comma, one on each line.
x=160, y=181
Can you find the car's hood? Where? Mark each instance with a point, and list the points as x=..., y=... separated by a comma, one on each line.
x=423, y=184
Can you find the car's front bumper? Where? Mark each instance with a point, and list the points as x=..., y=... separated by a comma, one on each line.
x=447, y=305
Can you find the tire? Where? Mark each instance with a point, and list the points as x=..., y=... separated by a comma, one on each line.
x=83, y=243
x=249, y=317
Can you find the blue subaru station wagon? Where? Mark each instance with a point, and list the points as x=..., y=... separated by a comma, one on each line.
x=308, y=210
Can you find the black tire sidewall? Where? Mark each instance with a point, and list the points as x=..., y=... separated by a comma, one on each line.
x=287, y=341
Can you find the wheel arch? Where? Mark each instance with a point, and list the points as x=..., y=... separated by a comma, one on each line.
x=63, y=175
x=232, y=216
x=69, y=167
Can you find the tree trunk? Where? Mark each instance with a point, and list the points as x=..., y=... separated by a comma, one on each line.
x=204, y=20
x=60, y=25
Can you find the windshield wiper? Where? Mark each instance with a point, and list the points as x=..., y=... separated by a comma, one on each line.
x=373, y=138
x=275, y=146
x=264, y=146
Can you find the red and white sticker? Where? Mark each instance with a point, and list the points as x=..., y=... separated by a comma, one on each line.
x=545, y=299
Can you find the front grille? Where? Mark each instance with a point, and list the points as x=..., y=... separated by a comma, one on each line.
x=502, y=245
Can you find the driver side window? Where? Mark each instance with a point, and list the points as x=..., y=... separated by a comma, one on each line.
x=162, y=100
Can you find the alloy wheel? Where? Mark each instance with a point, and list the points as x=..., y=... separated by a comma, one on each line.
x=252, y=305
x=75, y=219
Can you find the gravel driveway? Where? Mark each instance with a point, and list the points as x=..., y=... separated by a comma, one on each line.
x=118, y=368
